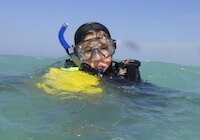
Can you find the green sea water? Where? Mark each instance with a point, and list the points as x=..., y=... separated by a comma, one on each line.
x=170, y=110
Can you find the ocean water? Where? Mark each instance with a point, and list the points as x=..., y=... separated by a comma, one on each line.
x=169, y=110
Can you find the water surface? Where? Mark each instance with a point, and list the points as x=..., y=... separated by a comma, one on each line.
x=167, y=111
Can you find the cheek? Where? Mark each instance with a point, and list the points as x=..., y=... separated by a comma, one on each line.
x=108, y=60
x=89, y=62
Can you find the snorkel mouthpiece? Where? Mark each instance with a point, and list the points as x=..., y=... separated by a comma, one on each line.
x=87, y=68
x=100, y=71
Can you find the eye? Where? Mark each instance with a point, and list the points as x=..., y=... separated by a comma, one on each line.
x=88, y=50
x=104, y=47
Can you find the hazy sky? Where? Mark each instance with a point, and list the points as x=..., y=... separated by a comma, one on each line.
x=157, y=30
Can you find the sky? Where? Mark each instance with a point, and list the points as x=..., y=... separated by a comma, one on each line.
x=145, y=30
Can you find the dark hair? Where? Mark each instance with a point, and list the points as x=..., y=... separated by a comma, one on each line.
x=83, y=29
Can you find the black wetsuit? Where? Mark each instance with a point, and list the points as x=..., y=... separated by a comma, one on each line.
x=127, y=69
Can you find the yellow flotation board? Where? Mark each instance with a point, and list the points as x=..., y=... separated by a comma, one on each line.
x=60, y=81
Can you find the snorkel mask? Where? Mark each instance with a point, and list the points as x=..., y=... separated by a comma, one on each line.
x=95, y=49
x=84, y=50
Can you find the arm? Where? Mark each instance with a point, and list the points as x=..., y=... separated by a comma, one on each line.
x=129, y=69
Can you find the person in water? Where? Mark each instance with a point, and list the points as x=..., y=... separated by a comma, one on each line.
x=93, y=53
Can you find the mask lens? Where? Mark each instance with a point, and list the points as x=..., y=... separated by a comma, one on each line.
x=87, y=49
x=104, y=46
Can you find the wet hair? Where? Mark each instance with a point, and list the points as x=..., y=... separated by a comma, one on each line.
x=96, y=33
x=87, y=28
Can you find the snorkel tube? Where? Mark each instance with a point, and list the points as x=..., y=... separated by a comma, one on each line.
x=69, y=50
x=62, y=39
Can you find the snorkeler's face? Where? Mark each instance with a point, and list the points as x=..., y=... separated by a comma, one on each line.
x=98, y=61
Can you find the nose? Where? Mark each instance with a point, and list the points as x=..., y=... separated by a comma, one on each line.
x=96, y=55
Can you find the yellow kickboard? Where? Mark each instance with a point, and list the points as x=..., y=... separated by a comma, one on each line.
x=68, y=81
